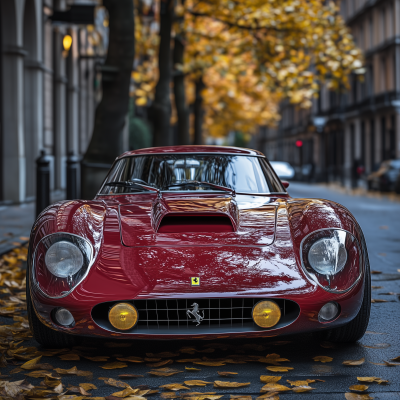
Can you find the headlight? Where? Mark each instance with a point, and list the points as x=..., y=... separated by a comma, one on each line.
x=328, y=256
x=64, y=259
x=61, y=261
x=332, y=258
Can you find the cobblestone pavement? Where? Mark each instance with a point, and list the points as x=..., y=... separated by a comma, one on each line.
x=380, y=221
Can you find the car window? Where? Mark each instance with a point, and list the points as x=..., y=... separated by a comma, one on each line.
x=192, y=172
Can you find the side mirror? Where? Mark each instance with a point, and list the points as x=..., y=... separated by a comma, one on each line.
x=285, y=184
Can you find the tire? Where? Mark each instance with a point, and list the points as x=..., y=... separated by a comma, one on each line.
x=355, y=329
x=45, y=336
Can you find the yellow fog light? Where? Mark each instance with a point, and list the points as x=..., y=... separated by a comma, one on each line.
x=123, y=316
x=266, y=314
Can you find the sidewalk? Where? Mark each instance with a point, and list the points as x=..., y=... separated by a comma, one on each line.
x=15, y=225
x=16, y=222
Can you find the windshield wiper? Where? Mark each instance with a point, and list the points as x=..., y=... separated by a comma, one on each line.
x=131, y=184
x=187, y=183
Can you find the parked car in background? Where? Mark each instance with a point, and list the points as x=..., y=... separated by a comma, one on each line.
x=384, y=179
x=283, y=169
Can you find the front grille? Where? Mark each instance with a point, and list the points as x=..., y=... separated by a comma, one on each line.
x=217, y=312
x=170, y=316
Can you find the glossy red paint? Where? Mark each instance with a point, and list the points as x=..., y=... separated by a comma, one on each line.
x=193, y=149
x=135, y=258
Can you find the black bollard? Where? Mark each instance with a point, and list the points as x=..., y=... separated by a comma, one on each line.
x=42, y=182
x=73, y=175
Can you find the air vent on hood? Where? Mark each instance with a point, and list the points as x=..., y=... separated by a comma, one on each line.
x=195, y=223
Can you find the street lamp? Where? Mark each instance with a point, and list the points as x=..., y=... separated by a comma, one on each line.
x=67, y=43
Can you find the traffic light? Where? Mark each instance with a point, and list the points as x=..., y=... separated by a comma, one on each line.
x=299, y=143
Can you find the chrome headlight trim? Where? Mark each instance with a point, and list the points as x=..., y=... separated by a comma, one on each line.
x=87, y=252
x=312, y=278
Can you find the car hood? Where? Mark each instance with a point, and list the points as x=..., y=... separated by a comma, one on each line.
x=251, y=221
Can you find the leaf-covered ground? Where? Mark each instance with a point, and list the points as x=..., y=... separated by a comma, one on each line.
x=223, y=369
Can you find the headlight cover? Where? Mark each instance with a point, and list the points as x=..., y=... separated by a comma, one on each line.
x=61, y=261
x=332, y=258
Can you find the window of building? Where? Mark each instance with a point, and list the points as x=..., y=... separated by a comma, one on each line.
x=383, y=24
x=372, y=145
x=371, y=31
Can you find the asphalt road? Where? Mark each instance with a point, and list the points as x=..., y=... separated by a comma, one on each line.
x=380, y=221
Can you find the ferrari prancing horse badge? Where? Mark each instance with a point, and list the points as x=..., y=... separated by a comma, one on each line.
x=195, y=281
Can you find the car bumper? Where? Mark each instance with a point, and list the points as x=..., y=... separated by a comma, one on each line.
x=82, y=307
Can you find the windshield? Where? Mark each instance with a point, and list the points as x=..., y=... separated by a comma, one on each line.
x=191, y=172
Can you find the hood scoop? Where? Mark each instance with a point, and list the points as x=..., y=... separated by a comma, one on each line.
x=182, y=223
x=203, y=221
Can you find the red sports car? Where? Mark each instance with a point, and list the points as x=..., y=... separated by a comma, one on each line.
x=193, y=242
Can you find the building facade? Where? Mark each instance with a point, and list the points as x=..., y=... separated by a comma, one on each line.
x=344, y=136
x=49, y=88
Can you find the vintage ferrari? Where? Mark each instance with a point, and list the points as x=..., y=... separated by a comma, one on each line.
x=192, y=242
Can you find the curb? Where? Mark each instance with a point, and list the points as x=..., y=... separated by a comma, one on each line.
x=362, y=192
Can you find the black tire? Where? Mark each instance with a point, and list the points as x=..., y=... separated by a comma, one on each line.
x=355, y=329
x=45, y=336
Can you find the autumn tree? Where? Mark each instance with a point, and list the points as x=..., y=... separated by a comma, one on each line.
x=110, y=117
x=240, y=59
x=254, y=53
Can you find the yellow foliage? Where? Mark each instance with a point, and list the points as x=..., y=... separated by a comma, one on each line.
x=251, y=55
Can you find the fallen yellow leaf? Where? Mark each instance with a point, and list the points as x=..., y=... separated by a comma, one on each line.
x=73, y=371
x=125, y=393
x=210, y=363
x=114, y=365
x=301, y=383
x=196, y=383
x=323, y=359
x=160, y=364
x=279, y=369
x=354, y=362
x=127, y=376
x=358, y=388
x=114, y=382
x=371, y=379
x=222, y=384
x=38, y=374
x=174, y=386
x=355, y=396
x=169, y=395
x=268, y=378
x=274, y=387
x=377, y=346
x=98, y=358
x=226, y=373
x=87, y=386
x=164, y=372
x=31, y=364
x=302, y=389
x=130, y=359
x=269, y=395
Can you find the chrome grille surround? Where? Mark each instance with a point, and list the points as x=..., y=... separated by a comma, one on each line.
x=221, y=315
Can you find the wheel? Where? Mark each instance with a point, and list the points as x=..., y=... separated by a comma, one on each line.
x=45, y=336
x=355, y=329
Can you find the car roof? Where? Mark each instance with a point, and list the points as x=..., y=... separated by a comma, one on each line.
x=193, y=149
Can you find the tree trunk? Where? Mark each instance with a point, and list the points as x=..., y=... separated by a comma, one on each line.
x=198, y=112
x=179, y=94
x=108, y=140
x=161, y=108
